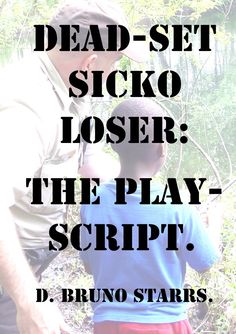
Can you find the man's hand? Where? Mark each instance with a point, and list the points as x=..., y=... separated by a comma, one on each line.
x=37, y=318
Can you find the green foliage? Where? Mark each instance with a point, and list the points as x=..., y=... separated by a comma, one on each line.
x=17, y=19
x=220, y=316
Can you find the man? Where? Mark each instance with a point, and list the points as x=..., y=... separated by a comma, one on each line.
x=34, y=97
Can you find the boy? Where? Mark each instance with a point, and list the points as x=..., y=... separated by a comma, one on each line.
x=156, y=268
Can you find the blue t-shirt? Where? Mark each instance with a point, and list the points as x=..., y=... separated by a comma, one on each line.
x=156, y=268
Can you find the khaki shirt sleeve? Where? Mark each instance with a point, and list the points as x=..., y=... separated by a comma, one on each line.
x=21, y=151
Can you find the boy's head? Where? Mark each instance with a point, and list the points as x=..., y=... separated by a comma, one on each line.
x=140, y=159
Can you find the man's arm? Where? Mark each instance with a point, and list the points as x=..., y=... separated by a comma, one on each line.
x=21, y=154
x=20, y=283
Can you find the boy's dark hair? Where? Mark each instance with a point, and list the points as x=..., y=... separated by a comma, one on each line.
x=137, y=107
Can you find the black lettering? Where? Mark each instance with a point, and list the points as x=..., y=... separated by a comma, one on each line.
x=40, y=37
x=121, y=189
x=57, y=191
x=37, y=189
x=41, y=296
x=78, y=84
x=116, y=130
x=175, y=83
x=76, y=238
x=58, y=236
x=159, y=37
x=86, y=191
x=138, y=295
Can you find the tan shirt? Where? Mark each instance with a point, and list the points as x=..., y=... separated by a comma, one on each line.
x=33, y=99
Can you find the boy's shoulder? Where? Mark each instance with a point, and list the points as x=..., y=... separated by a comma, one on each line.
x=107, y=194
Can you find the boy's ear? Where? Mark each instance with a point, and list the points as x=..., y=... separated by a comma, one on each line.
x=88, y=62
x=162, y=150
x=165, y=144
